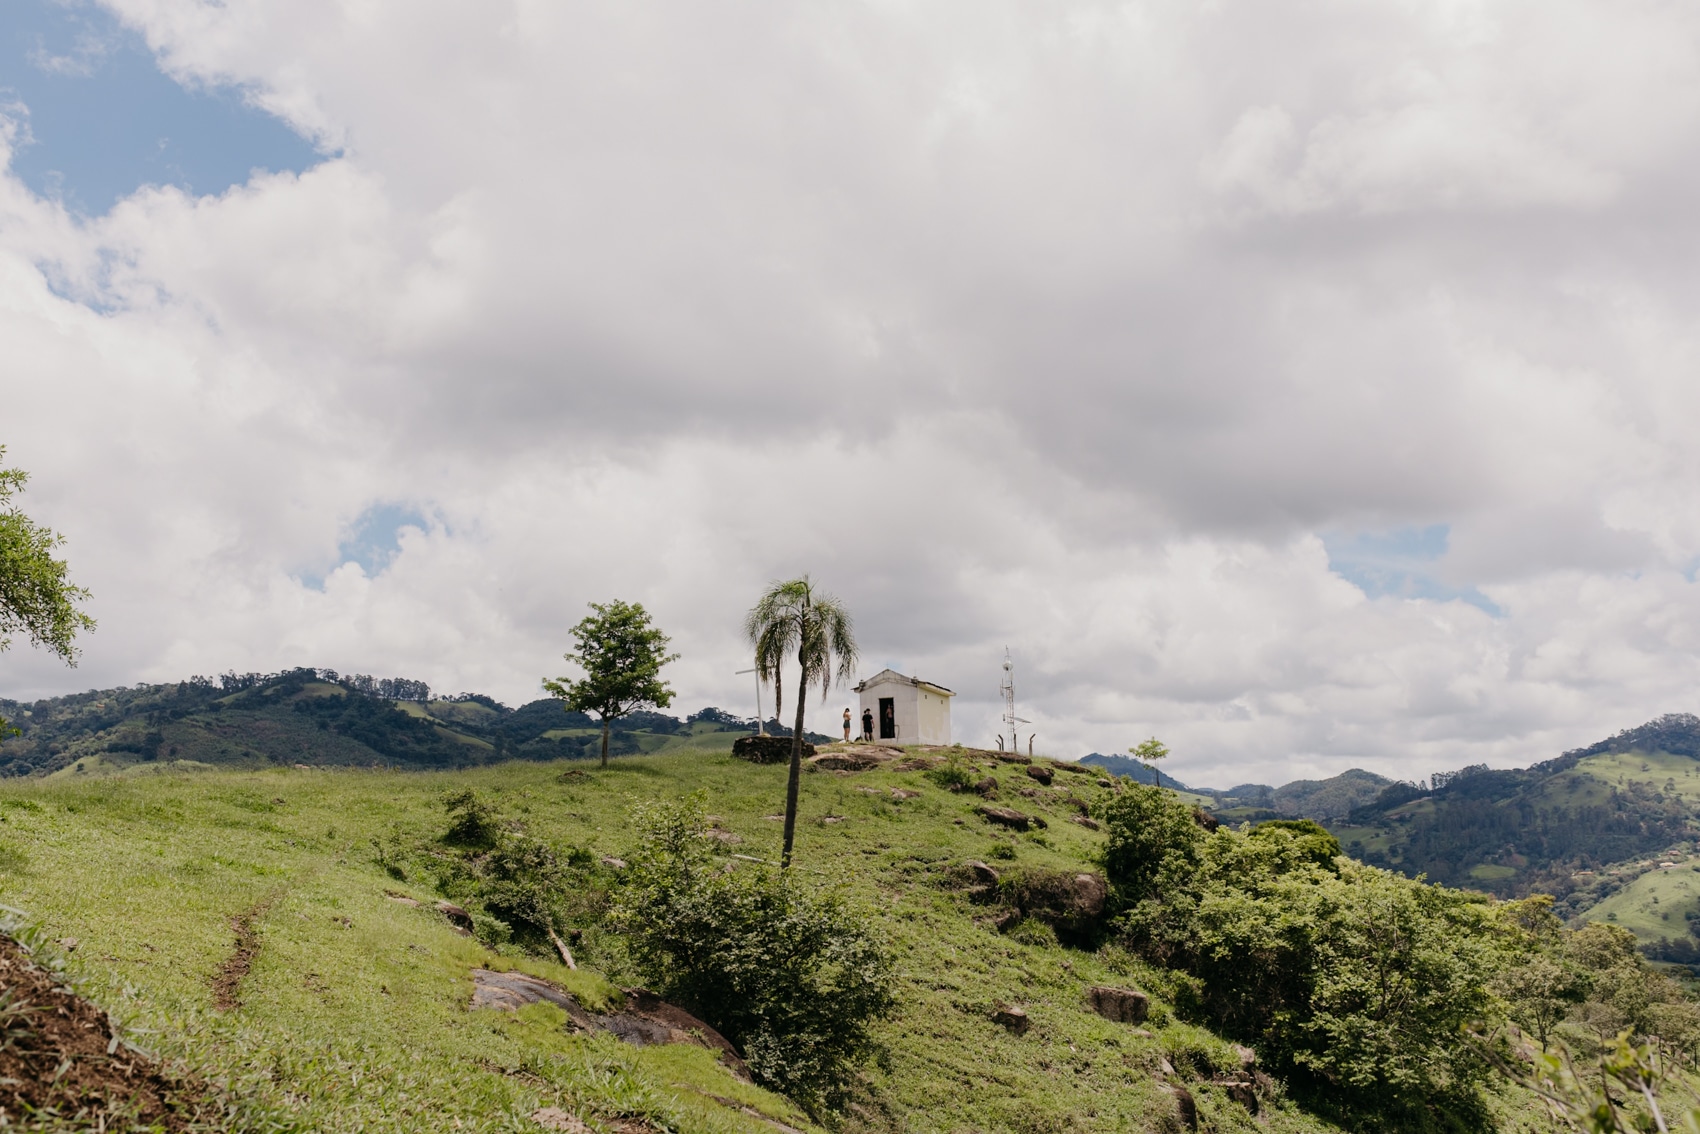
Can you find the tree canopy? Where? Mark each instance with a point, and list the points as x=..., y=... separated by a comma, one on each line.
x=36, y=597
x=621, y=652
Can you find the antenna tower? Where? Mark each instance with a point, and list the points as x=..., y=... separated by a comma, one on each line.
x=1008, y=692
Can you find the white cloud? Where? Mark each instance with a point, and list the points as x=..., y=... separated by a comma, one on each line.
x=1064, y=329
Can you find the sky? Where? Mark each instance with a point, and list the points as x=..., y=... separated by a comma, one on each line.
x=1308, y=384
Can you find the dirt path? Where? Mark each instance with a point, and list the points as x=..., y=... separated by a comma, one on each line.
x=227, y=982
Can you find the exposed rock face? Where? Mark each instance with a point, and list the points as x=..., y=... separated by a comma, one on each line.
x=1013, y=758
x=988, y=787
x=645, y=1019
x=1123, y=1005
x=767, y=749
x=983, y=874
x=1013, y=1018
x=1040, y=773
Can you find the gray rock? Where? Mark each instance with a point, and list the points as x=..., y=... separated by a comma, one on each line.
x=1123, y=1005
x=1013, y=1018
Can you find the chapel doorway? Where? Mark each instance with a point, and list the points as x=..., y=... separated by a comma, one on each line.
x=888, y=718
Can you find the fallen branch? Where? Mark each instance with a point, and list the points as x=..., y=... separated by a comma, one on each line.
x=566, y=954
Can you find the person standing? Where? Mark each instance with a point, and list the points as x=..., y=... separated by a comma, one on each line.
x=868, y=725
x=847, y=724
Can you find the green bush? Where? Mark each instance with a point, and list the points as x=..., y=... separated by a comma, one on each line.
x=473, y=822
x=952, y=775
x=1354, y=981
x=793, y=979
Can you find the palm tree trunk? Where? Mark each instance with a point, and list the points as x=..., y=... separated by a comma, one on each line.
x=796, y=773
x=604, y=741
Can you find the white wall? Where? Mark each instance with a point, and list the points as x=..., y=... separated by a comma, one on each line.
x=922, y=717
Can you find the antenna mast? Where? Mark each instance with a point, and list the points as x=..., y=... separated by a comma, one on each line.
x=1008, y=692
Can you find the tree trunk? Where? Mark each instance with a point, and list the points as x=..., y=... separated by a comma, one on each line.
x=796, y=772
x=604, y=740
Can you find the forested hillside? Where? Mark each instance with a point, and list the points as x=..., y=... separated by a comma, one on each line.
x=319, y=717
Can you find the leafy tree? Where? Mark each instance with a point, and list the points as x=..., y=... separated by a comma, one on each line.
x=36, y=598
x=1151, y=751
x=794, y=616
x=794, y=979
x=621, y=653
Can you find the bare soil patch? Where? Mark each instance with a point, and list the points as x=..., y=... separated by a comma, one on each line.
x=60, y=1058
x=227, y=982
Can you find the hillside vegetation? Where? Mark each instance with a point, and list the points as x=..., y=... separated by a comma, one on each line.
x=318, y=717
x=352, y=1014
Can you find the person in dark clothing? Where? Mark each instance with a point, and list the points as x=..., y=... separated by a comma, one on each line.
x=867, y=724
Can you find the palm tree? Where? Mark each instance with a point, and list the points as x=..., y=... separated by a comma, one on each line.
x=794, y=616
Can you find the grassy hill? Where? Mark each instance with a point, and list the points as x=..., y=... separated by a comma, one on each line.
x=352, y=1015
x=318, y=717
x=1572, y=826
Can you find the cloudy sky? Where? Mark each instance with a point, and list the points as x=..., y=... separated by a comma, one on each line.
x=1311, y=383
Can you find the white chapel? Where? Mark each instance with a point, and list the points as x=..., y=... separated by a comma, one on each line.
x=905, y=710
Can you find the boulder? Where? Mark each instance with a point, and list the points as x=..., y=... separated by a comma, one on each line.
x=767, y=749
x=1040, y=773
x=1013, y=758
x=1123, y=1005
x=643, y=1021
x=983, y=874
x=458, y=917
x=613, y=863
x=847, y=761
x=1090, y=894
x=1006, y=817
x=1086, y=821
x=987, y=787
x=1104, y=781
x=1013, y=1018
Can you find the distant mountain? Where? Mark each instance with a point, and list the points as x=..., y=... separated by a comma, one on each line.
x=1136, y=770
x=307, y=716
x=1323, y=800
x=1552, y=827
x=1576, y=826
x=1326, y=801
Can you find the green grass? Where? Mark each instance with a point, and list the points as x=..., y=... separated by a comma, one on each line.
x=354, y=1016
x=1653, y=905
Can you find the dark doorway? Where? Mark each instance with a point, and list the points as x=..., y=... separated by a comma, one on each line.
x=888, y=718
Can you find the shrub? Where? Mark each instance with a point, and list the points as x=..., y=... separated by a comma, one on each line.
x=952, y=775
x=473, y=822
x=792, y=978
x=1354, y=981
